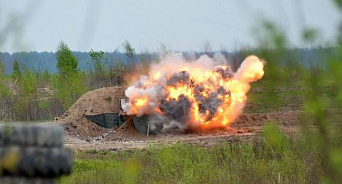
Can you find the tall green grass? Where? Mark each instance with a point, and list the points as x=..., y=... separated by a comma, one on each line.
x=272, y=158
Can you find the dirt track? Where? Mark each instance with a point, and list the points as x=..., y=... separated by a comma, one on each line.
x=205, y=140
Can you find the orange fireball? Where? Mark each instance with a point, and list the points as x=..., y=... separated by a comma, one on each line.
x=194, y=93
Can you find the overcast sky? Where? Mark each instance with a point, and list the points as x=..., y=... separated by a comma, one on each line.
x=39, y=25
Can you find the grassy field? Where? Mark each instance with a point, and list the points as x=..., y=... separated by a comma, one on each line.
x=272, y=158
x=283, y=160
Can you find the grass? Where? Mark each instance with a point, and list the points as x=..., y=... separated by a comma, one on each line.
x=238, y=162
x=269, y=97
x=271, y=158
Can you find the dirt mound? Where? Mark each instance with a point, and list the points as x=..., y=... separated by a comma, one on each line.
x=103, y=100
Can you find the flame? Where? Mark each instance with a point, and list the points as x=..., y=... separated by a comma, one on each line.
x=205, y=83
x=157, y=75
x=141, y=102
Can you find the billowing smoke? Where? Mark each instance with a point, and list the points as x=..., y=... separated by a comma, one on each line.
x=203, y=93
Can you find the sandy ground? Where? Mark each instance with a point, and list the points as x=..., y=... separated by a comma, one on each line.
x=156, y=140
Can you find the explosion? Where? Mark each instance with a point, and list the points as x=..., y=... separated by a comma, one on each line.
x=205, y=93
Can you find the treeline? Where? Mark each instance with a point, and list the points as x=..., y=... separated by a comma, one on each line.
x=47, y=60
x=42, y=61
